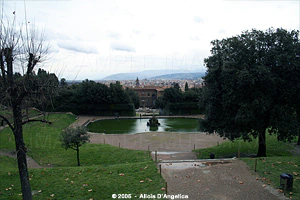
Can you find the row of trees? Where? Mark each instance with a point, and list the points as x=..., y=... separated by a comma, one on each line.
x=89, y=95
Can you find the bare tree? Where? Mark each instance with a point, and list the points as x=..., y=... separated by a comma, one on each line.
x=21, y=49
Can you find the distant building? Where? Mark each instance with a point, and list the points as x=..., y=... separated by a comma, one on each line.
x=147, y=94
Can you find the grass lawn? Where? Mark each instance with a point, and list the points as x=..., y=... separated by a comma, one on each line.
x=279, y=160
x=105, y=169
x=230, y=149
x=270, y=168
x=88, y=182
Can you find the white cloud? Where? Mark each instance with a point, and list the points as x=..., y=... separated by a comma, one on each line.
x=198, y=19
x=119, y=46
x=77, y=46
x=114, y=34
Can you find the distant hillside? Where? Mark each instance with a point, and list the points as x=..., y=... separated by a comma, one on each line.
x=180, y=76
x=156, y=74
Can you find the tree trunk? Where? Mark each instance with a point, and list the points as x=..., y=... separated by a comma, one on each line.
x=262, y=149
x=21, y=152
x=298, y=143
x=78, y=162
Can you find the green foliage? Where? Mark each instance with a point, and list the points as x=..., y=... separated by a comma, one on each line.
x=74, y=138
x=184, y=108
x=134, y=98
x=172, y=95
x=190, y=96
x=251, y=79
x=174, y=101
x=91, y=98
x=186, y=87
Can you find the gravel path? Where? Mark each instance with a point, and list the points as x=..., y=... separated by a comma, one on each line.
x=216, y=180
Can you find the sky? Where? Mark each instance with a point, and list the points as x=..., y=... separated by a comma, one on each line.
x=92, y=39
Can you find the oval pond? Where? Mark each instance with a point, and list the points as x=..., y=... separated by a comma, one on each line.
x=131, y=126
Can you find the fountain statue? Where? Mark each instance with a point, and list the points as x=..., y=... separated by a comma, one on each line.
x=153, y=122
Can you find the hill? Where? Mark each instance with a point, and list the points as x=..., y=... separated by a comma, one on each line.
x=155, y=74
x=179, y=76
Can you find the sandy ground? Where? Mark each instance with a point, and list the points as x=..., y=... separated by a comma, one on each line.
x=158, y=141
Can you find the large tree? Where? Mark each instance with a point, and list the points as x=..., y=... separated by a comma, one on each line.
x=252, y=85
x=21, y=49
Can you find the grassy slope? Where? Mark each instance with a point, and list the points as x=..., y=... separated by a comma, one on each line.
x=98, y=178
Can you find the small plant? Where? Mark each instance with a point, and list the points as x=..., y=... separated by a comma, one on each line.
x=74, y=138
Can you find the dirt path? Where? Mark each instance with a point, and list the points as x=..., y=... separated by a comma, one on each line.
x=30, y=162
x=216, y=180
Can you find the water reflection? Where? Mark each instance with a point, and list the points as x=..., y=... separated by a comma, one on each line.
x=130, y=126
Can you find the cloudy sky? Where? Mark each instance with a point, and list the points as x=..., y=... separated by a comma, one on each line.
x=94, y=38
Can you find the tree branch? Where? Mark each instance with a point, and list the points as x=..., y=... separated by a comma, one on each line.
x=8, y=122
x=36, y=120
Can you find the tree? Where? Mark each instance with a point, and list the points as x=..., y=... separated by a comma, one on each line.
x=63, y=82
x=134, y=97
x=73, y=138
x=176, y=86
x=173, y=95
x=190, y=96
x=21, y=49
x=45, y=85
x=186, y=87
x=118, y=94
x=252, y=86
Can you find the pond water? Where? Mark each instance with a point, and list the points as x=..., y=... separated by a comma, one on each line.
x=131, y=126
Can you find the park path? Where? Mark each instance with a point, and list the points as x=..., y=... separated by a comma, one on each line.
x=30, y=162
x=227, y=179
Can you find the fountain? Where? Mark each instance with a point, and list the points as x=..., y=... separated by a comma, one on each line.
x=153, y=122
